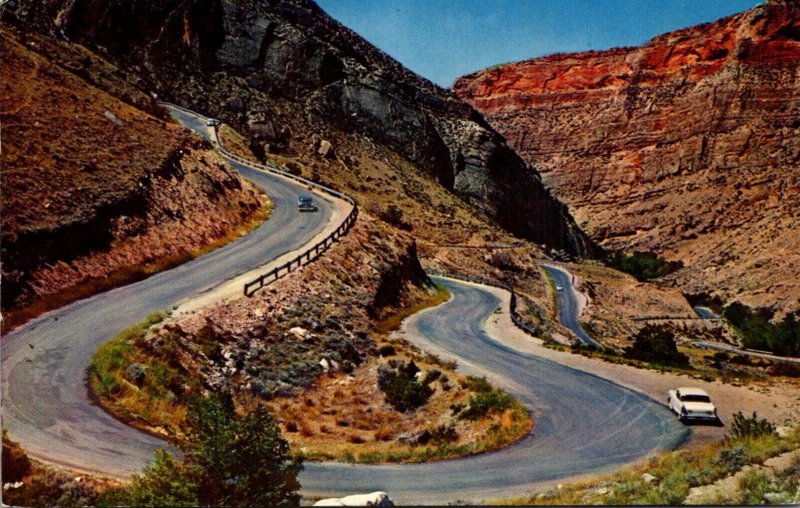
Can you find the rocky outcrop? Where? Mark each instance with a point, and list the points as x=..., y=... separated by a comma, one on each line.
x=97, y=192
x=287, y=74
x=688, y=146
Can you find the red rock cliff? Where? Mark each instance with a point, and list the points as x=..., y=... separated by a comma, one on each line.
x=688, y=146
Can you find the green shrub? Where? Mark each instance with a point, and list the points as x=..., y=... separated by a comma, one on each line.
x=643, y=265
x=744, y=427
x=394, y=216
x=228, y=461
x=483, y=403
x=164, y=482
x=758, y=331
x=731, y=460
x=754, y=484
x=656, y=344
x=386, y=350
x=401, y=388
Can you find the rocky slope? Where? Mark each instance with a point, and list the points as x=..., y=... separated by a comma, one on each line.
x=291, y=77
x=96, y=191
x=688, y=146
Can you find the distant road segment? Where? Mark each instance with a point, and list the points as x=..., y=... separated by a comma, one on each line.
x=568, y=309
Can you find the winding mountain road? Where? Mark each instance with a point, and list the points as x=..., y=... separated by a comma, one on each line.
x=45, y=397
x=568, y=308
x=584, y=424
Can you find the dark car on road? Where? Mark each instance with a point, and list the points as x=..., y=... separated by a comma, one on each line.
x=306, y=204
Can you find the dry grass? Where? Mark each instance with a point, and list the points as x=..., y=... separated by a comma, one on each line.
x=676, y=473
x=346, y=418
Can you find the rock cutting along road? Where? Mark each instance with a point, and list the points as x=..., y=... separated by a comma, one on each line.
x=584, y=424
x=568, y=308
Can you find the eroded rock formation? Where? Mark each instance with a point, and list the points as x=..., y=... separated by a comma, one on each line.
x=287, y=74
x=688, y=146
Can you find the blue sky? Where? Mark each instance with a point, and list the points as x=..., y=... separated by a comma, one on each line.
x=443, y=39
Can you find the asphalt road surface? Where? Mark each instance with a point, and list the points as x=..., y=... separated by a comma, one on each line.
x=584, y=424
x=568, y=305
x=45, y=398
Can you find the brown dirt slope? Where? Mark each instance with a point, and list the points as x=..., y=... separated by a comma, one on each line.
x=289, y=77
x=688, y=146
x=97, y=192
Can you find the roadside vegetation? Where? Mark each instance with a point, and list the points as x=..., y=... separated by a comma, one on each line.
x=642, y=265
x=228, y=460
x=394, y=404
x=668, y=478
x=656, y=345
x=759, y=330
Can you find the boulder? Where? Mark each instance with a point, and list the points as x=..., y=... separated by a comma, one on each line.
x=648, y=478
x=325, y=148
x=300, y=333
x=373, y=499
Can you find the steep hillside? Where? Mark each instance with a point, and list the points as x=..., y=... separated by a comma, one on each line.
x=294, y=81
x=96, y=191
x=688, y=146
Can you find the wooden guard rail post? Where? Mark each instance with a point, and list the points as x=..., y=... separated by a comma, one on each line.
x=263, y=280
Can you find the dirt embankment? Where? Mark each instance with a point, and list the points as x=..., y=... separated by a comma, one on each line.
x=98, y=192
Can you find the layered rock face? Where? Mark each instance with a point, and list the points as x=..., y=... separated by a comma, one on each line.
x=688, y=146
x=288, y=75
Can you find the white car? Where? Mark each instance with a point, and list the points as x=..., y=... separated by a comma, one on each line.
x=692, y=404
x=559, y=288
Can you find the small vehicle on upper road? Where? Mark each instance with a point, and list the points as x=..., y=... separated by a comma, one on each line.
x=212, y=122
x=306, y=204
x=692, y=404
x=559, y=288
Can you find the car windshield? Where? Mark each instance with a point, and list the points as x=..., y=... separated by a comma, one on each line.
x=695, y=398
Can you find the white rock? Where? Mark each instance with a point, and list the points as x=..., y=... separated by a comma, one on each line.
x=324, y=148
x=300, y=333
x=373, y=499
x=113, y=118
x=602, y=491
x=325, y=365
x=648, y=478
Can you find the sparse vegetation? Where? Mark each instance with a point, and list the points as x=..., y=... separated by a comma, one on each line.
x=743, y=427
x=656, y=344
x=229, y=461
x=401, y=387
x=643, y=265
x=674, y=474
x=394, y=216
x=16, y=464
x=758, y=330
